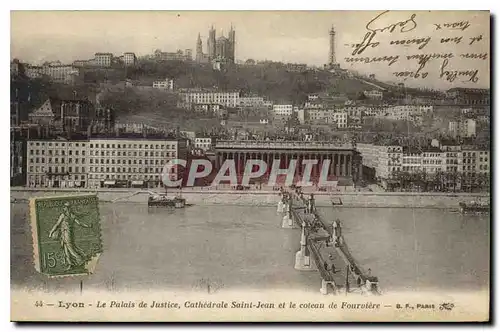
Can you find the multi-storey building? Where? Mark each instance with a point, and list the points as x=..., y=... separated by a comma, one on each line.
x=390, y=161
x=465, y=96
x=132, y=161
x=101, y=161
x=251, y=101
x=373, y=94
x=412, y=159
x=283, y=109
x=204, y=143
x=207, y=108
x=296, y=67
x=34, y=71
x=228, y=99
x=370, y=153
x=17, y=159
x=55, y=71
x=483, y=161
x=338, y=118
x=103, y=59
x=454, y=128
x=60, y=73
x=452, y=158
x=469, y=159
x=81, y=63
x=166, y=84
x=432, y=160
x=315, y=104
x=458, y=165
x=179, y=55
x=462, y=128
x=468, y=128
x=129, y=59
x=56, y=163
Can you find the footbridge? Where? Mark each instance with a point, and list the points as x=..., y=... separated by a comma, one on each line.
x=323, y=248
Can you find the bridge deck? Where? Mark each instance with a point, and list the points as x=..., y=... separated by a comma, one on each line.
x=321, y=252
x=345, y=271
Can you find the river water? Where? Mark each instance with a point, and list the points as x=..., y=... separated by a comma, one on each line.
x=234, y=247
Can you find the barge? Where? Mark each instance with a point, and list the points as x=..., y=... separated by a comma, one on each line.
x=162, y=200
x=474, y=207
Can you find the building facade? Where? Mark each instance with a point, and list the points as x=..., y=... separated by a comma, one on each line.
x=283, y=110
x=374, y=94
x=101, y=162
x=129, y=59
x=133, y=162
x=222, y=48
x=252, y=101
x=103, y=59
x=166, y=84
x=56, y=163
x=203, y=143
x=227, y=99
x=345, y=161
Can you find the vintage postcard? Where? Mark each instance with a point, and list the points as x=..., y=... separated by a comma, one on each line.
x=276, y=166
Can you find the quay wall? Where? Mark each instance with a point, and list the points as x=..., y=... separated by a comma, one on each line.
x=267, y=198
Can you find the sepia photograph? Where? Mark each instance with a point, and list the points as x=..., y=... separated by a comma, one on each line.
x=243, y=166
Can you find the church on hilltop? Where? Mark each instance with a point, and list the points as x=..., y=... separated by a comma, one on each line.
x=220, y=50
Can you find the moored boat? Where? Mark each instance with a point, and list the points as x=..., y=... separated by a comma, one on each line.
x=162, y=200
x=474, y=207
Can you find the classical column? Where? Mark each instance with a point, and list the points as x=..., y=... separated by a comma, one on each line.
x=332, y=165
x=350, y=165
x=269, y=162
x=237, y=161
x=315, y=166
x=337, y=164
x=298, y=168
x=344, y=165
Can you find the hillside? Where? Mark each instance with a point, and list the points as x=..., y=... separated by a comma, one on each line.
x=271, y=80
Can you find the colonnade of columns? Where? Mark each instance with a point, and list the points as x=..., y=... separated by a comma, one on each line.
x=342, y=163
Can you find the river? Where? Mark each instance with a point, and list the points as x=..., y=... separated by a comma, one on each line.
x=234, y=247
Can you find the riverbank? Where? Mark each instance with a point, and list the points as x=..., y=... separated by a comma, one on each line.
x=267, y=198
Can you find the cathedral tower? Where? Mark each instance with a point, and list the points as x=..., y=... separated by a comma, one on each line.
x=199, y=49
x=211, y=43
x=232, y=42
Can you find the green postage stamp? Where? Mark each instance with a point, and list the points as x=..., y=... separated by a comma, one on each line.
x=66, y=234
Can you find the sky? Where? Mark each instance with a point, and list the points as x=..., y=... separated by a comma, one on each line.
x=288, y=36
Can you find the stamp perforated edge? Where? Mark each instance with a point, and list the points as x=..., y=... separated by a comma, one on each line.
x=34, y=233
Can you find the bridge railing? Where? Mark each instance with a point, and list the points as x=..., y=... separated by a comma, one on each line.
x=325, y=275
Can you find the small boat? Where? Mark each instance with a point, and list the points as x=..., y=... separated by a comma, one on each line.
x=336, y=201
x=164, y=201
x=474, y=207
